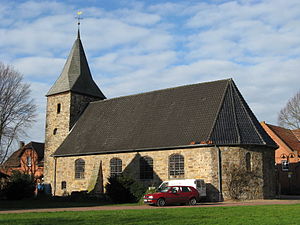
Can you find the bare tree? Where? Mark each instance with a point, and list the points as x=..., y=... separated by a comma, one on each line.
x=17, y=110
x=289, y=116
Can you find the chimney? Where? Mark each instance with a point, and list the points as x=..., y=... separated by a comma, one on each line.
x=21, y=144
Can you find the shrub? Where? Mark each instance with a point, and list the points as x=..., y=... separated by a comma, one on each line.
x=243, y=184
x=124, y=189
x=20, y=186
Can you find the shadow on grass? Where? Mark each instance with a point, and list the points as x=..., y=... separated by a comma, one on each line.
x=44, y=202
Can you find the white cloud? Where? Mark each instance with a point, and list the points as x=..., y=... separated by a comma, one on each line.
x=141, y=46
x=39, y=67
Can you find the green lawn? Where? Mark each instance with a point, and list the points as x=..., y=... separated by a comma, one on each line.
x=257, y=215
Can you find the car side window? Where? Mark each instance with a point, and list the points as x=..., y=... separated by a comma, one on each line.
x=175, y=189
x=185, y=189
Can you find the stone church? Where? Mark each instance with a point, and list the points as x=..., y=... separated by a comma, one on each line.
x=194, y=131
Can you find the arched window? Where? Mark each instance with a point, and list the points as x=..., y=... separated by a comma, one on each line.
x=248, y=161
x=58, y=108
x=79, y=168
x=63, y=185
x=115, y=167
x=55, y=131
x=146, y=168
x=176, y=166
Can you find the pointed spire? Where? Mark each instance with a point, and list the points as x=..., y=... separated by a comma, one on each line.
x=78, y=33
x=76, y=75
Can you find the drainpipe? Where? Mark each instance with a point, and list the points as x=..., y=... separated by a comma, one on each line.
x=54, y=179
x=219, y=155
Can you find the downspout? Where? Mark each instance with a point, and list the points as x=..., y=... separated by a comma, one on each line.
x=219, y=155
x=54, y=178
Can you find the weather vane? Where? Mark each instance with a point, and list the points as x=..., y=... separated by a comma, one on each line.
x=78, y=17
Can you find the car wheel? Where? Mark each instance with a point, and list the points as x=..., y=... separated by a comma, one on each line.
x=161, y=202
x=192, y=201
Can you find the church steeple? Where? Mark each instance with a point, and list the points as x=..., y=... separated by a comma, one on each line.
x=66, y=101
x=76, y=76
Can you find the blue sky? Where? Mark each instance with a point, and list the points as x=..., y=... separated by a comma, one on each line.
x=139, y=46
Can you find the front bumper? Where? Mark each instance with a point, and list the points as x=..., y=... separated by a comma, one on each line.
x=150, y=201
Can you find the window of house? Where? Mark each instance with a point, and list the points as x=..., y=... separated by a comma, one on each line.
x=58, y=108
x=79, y=168
x=63, y=185
x=146, y=168
x=55, y=131
x=29, y=161
x=115, y=167
x=176, y=166
x=285, y=165
x=248, y=161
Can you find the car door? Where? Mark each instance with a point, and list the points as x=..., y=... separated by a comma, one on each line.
x=186, y=194
x=173, y=195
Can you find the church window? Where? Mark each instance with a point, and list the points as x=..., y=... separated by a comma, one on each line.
x=58, y=108
x=29, y=161
x=55, y=131
x=146, y=168
x=63, y=185
x=248, y=161
x=176, y=166
x=79, y=168
x=115, y=167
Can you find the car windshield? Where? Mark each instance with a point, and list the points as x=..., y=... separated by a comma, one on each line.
x=164, y=189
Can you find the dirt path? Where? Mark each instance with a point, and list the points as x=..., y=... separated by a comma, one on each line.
x=215, y=204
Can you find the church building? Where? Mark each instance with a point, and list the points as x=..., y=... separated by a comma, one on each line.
x=197, y=131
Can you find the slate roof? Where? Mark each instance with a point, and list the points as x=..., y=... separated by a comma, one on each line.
x=14, y=159
x=76, y=75
x=212, y=111
x=287, y=136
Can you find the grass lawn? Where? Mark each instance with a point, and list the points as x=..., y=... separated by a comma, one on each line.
x=257, y=215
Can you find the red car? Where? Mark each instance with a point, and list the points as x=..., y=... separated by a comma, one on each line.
x=173, y=195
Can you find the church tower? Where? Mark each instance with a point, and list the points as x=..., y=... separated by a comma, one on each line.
x=66, y=101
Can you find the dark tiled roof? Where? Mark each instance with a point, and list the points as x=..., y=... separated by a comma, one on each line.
x=76, y=75
x=287, y=136
x=14, y=159
x=39, y=148
x=166, y=118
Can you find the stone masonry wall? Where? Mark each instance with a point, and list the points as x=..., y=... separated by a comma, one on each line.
x=59, y=121
x=200, y=163
x=72, y=106
x=78, y=105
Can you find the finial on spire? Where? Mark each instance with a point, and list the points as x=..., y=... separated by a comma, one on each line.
x=78, y=17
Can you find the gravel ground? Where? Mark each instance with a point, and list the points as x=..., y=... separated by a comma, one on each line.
x=282, y=201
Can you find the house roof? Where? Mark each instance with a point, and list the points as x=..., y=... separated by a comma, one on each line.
x=287, y=136
x=14, y=159
x=76, y=75
x=212, y=111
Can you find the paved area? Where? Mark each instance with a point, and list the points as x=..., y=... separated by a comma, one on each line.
x=211, y=204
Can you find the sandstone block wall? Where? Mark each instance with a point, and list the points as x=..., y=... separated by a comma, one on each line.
x=200, y=163
x=72, y=106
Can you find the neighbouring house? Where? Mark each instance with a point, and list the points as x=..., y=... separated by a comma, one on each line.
x=195, y=131
x=287, y=158
x=28, y=159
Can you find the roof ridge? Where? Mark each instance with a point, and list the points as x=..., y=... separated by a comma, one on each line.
x=159, y=90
